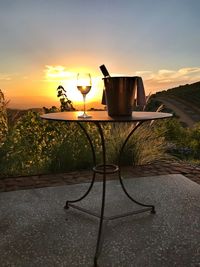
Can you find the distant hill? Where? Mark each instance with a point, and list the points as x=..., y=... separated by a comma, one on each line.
x=183, y=100
x=188, y=92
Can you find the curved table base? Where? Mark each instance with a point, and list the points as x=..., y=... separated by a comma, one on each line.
x=106, y=169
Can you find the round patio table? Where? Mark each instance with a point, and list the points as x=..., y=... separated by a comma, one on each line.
x=98, y=118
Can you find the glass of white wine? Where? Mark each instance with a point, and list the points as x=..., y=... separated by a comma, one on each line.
x=84, y=84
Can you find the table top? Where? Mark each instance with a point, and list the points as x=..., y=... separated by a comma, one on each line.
x=102, y=116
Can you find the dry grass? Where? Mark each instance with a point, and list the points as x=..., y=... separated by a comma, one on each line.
x=144, y=146
x=3, y=118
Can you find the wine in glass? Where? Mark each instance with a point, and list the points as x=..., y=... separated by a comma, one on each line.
x=84, y=84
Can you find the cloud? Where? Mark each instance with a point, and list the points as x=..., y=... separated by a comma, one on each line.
x=11, y=76
x=154, y=80
x=143, y=72
x=57, y=73
x=167, y=78
x=5, y=77
x=189, y=70
x=188, y=74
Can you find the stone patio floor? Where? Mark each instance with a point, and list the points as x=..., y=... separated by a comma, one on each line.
x=35, y=230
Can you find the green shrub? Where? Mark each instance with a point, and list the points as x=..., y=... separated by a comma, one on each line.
x=24, y=149
x=40, y=146
x=33, y=145
x=193, y=141
x=172, y=130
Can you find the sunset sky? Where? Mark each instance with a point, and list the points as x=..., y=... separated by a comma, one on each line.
x=45, y=43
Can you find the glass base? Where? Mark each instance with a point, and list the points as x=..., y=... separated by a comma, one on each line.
x=84, y=116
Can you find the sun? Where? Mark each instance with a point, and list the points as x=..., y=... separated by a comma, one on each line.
x=59, y=75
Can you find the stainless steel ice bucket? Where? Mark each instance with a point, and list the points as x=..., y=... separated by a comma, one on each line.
x=120, y=95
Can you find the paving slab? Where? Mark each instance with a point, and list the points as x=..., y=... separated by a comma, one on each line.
x=35, y=230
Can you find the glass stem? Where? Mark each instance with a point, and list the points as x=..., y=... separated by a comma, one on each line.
x=84, y=103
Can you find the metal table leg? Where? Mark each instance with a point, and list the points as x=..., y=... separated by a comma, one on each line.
x=99, y=238
x=68, y=203
x=151, y=207
x=105, y=169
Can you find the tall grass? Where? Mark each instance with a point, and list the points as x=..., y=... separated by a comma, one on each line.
x=3, y=119
x=144, y=146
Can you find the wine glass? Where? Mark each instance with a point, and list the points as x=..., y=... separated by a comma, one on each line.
x=84, y=84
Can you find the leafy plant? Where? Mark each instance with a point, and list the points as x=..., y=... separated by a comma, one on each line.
x=65, y=103
x=24, y=147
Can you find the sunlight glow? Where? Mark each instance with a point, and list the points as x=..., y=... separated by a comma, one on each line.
x=59, y=75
